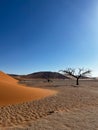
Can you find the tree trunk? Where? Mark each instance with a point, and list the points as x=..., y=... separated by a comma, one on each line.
x=77, y=81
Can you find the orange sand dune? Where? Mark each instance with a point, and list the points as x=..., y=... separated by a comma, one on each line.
x=6, y=78
x=12, y=93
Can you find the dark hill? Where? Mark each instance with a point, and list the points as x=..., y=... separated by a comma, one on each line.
x=40, y=75
x=43, y=75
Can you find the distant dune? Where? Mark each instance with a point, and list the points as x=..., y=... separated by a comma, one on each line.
x=40, y=75
x=12, y=93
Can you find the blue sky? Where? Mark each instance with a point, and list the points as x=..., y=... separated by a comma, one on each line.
x=44, y=35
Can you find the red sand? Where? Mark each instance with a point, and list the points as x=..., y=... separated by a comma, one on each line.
x=12, y=93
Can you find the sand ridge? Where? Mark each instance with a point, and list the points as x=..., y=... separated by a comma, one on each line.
x=6, y=78
x=12, y=93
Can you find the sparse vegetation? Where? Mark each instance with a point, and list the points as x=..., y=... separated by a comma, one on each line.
x=77, y=74
x=47, y=76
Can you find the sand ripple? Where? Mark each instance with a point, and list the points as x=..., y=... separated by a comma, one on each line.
x=67, y=99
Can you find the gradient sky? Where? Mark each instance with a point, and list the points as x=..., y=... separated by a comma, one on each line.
x=44, y=35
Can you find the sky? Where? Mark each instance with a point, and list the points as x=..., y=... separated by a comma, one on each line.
x=48, y=35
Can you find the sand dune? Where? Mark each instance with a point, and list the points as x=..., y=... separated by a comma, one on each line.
x=6, y=78
x=12, y=93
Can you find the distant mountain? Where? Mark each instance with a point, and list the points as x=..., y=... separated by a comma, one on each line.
x=41, y=75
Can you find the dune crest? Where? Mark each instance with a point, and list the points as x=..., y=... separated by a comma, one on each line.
x=6, y=78
x=12, y=93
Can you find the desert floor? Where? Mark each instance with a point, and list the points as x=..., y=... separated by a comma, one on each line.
x=72, y=108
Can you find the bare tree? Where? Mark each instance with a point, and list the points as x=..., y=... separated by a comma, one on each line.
x=77, y=74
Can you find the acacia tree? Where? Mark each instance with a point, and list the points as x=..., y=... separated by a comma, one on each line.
x=77, y=74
